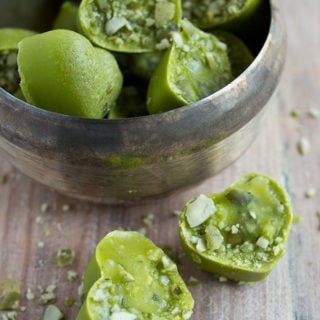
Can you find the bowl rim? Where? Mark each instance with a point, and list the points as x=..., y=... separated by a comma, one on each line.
x=169, y=115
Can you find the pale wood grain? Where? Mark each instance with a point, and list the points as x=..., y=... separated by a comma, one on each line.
x=292, y=291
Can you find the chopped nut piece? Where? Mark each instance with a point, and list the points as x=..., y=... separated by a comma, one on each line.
x=44, y=207
x=39, y=219
x=201, y=245
x=314, y=113
x=235, y=229
x=66, y=207
x=164, y=13
x=200, y=210
x=193, y=281
x=29, y=294
x=123, y=315
x=47, y=294
x=311, y=193
x=148, y=219
x=223, y=279
x=303, y=146
x=262, y=243
x=52, y=313
x=177, y=213
x=72, y=275
x=297, y=218
x=252, y=214
x=214, y=237
x=40, y=244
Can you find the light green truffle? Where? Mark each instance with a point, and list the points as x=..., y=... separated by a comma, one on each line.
x=62, y=71
x=9, y=39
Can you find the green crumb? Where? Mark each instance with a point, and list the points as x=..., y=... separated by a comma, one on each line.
x=318, y=215
x=294, y=113
x=11, y=315
x=69, y=302
x=297, y=218
x=48, y=232
x=80, y=294
x=48, y=294
x=303, y=146
x=3, y=178
x=72, y=275
x=66, y=207
x=29, y=294
x=40, y=244
x=177, y=213
x=65, y=257
x=9, y=294
x=44, y=207
x=52, y=313
x=311, y=193
x=251, y=285
x=193, y=281
x=223, y=279
x=314, y=113
x=148, y=219
x=39, y=220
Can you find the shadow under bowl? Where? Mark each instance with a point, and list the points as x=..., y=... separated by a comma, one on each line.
x=126, y=160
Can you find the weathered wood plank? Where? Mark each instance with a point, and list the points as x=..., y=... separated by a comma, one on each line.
x=28, y=249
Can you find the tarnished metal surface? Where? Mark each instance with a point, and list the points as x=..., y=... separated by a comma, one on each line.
x=129, y=159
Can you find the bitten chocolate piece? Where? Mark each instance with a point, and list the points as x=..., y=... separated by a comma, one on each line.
x=130, y=25
x=130, y=278
x=241, y=233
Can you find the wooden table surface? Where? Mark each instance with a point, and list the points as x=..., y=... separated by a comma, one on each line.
x=31, y=236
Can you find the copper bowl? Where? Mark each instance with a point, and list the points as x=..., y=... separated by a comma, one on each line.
x=126, y=160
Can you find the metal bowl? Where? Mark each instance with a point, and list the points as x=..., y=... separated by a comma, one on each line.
x=126, y=160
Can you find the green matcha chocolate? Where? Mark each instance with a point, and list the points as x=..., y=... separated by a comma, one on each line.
x=241, y=233
x=207, y=14
x=9, y=294
x=194, y=67
x=62, y=71
x=9, y=39
x=144, y=64
x=67, y=17
x=240, y=56
x=129, y=104
x=130, y=25
x=130, y=278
